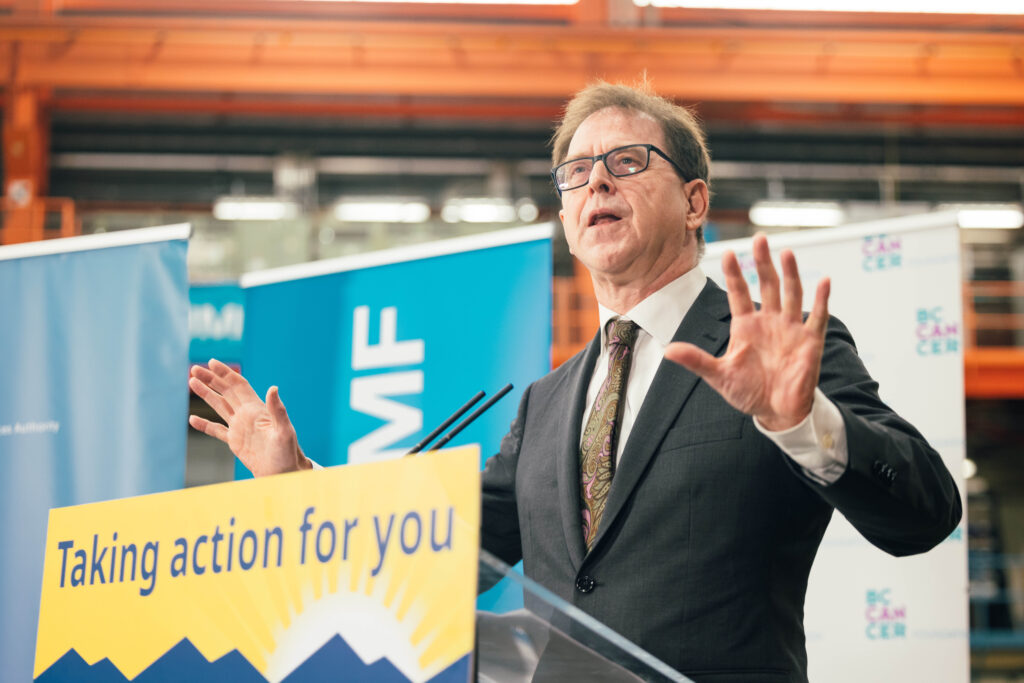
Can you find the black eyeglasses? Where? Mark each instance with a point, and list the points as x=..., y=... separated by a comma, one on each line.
x=620, y=162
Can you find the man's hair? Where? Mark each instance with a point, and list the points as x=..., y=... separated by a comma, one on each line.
x=684, y=138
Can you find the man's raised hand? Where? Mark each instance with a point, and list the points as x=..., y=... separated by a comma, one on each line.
x=771, y=367
x=259, y=434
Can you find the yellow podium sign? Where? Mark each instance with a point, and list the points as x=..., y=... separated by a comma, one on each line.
x=363, y=572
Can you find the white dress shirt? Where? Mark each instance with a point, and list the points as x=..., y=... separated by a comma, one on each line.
x=817, y=444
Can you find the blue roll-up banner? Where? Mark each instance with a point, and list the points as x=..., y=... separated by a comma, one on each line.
x=93, y=398
x=372, y=352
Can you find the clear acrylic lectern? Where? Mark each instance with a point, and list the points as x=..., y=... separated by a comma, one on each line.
x=552, y=641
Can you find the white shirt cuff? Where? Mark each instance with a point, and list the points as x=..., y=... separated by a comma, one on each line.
x=818, y=443
x=315, y=464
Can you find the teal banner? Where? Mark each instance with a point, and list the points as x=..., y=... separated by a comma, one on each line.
x=371, y=353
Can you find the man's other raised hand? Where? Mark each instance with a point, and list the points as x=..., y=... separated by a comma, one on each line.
x=259, y=434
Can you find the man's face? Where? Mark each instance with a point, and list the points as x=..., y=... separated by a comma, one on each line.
x=633, y=229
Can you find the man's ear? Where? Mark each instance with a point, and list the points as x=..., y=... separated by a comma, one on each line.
x=698, y=198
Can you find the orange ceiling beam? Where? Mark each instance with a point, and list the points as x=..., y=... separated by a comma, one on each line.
x=581, y=11
x=392, y=107
x=811, y=19
x=333, y=57
x=320, y=9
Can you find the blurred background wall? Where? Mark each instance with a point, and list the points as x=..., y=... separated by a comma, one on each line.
x=287, y=131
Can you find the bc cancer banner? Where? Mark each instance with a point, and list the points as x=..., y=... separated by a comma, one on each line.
x=896, y=285
x=94, y=337
x=372, y=352
x=350, y=573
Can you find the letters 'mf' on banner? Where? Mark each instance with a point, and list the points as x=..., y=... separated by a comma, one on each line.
x=368, y=394
x=368, y=570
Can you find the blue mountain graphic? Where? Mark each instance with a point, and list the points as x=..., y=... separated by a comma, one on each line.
x=334, y=661
x=71, y=668
x=184, y=662
x=234, y=667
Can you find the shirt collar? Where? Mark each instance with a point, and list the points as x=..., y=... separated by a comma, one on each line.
x=660, y=313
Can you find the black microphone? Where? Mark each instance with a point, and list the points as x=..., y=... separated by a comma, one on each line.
x=447, y=423
x=476, y=413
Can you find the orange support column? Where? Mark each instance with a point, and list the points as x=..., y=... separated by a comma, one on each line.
x=575, y=316
x=26, y=153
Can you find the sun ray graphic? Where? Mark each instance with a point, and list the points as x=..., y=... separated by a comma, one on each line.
x=364, y=619
x=413, y=602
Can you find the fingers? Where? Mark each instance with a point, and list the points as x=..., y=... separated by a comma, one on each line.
x=736, y=286
x=212, y=398
x=235, y=386
x=766, y=274
x=786, y=298
x=818, y=319
x=276, y=408
x=214, y=429
x=694, y=359
x=793, y=297
x=206, y=376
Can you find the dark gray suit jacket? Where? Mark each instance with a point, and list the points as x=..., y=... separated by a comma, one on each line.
x=709, y=530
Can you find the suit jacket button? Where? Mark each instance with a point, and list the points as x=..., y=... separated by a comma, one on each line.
x=585, y=584
x=882, y=471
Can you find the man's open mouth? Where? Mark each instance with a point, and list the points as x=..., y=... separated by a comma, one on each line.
x=602, y=217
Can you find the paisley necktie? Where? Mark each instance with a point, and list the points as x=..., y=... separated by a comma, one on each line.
x=597, y=451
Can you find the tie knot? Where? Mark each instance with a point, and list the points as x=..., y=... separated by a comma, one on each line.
x=623, y=332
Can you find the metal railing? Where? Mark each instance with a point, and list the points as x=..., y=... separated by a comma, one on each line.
x=993, y=313
x=996, y=600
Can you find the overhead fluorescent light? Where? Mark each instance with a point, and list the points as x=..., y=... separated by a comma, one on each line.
x=796, y=214
x=903, y=6
x=489, y=210
x=527, y=210
x=988, y=216
x=382, y=210
x=479, y=210
x=254, y=209
x=970, y=468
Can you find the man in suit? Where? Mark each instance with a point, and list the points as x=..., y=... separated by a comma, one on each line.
x=674, y=479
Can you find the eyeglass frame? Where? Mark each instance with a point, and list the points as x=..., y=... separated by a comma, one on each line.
x=601, y=157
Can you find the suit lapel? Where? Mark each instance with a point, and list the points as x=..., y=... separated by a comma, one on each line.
x=569, y=462
x=705, y=325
